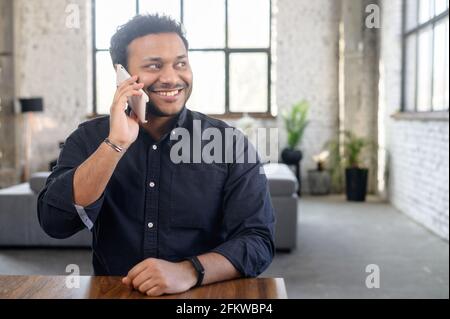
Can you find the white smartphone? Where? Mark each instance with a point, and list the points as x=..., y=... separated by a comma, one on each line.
x=136, y=103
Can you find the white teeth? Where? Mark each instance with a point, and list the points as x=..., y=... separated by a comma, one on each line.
x=168, y=93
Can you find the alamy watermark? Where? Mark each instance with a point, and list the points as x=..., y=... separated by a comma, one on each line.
x=73, y=279
x=72, y=16
x=373, y=279
x=373, y=18
x=226, y=145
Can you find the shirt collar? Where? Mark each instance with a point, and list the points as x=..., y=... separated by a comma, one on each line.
x=181, y=117
x=179, y=122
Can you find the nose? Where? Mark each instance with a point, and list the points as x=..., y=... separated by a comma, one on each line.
x=168, y=75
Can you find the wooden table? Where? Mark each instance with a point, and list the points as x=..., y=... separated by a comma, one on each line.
x=101, y=287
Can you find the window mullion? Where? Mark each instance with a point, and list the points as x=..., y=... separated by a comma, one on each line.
x=94, y=58
x=269, y=63
x=182, y=11
x=432, y=66
x=227, y=63
x=416, y=68
x=403, y=92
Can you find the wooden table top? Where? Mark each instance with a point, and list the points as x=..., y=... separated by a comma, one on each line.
x=103, y=287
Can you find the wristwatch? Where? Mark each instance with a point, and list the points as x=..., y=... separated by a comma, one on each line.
x=198, y=268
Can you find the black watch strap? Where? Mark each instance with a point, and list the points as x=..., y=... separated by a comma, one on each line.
x=198, y=268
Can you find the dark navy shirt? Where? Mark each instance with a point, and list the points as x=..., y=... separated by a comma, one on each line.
x=155, y=207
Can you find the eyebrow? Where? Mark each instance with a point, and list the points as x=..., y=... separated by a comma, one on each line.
x=158, y=59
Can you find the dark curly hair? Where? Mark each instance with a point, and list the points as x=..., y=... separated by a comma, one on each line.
x=139, y=26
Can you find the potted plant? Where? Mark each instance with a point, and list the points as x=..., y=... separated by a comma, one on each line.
x=319, y=179
x=355, y=174
x=348, y=159
x=295, y=122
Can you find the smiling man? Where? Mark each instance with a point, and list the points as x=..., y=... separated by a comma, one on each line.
x=165, y=227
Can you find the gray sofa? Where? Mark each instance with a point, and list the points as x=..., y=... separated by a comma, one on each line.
x=283, y=192
x=19, y=224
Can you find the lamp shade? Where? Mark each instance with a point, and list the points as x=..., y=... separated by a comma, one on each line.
x=32, y=104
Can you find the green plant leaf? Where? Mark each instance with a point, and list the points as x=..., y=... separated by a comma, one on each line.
x=295, y=121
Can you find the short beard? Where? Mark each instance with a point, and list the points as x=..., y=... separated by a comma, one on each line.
x=154, y=110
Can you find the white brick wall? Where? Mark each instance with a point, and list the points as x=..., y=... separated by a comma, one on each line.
x=418, y=152
x=52, y=61
x=307, y=68
x=419, y=172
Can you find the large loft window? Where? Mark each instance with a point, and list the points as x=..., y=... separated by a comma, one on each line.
x=229, y=51
x=425, y=56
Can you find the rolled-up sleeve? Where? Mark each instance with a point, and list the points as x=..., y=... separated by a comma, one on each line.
x=248, y=220
x=58, y=215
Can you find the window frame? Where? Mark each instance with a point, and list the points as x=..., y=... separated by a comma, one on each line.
x=415, y=31
x=226, y=49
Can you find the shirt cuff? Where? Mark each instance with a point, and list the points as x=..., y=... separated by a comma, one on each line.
x=60, y=195
x=242, y=257
x=89, y=214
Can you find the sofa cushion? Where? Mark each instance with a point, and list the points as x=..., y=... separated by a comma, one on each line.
x=37, y=181
x=282, y=181
x=19, y=189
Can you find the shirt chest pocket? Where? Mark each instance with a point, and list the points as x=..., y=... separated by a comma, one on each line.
x=196, y=198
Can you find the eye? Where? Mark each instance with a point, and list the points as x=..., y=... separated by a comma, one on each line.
x=153, y=66
x=181, y=64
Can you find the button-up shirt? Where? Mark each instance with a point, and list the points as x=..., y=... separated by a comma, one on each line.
x=154, y=206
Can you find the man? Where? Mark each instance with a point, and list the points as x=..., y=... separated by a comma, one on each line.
x=167, y=226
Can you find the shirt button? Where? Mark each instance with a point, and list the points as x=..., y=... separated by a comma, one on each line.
x=150, y=225
x=154, y=147
x=151, y=184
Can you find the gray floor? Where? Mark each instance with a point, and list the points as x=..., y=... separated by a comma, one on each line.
x=337, y=240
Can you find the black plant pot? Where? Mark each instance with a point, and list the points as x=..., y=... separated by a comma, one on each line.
x=291, y=156
x=356, y=184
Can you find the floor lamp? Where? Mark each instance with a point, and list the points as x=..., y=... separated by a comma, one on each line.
x=28, y=107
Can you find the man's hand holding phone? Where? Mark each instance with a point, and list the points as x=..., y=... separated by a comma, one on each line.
x=123, y=129
x=92, y=176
